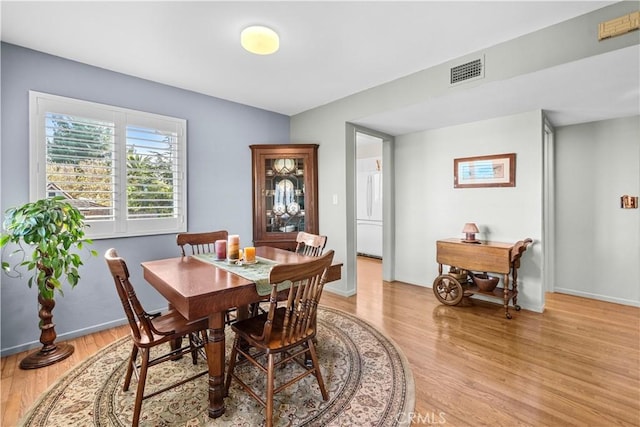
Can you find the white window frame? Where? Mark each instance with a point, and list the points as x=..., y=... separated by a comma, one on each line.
x=42, y=103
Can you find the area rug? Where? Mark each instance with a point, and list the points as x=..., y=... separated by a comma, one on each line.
x=366, y=375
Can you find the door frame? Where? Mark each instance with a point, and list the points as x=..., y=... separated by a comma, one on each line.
x=388, y=202
x=548, y=210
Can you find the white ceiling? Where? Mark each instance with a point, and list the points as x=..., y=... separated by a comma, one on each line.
x=329, y=50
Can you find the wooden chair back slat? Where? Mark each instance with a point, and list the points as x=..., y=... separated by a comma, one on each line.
x=310, y=244
x=307, y=281
x=199, y=243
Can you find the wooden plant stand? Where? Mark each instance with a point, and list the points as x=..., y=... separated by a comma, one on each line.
x=50, y=352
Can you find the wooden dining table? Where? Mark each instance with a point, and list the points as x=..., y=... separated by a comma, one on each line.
x=199, y=289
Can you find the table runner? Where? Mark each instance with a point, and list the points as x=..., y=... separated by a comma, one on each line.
x=257, y=273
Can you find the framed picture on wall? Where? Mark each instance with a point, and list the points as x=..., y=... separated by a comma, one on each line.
x=498, y=170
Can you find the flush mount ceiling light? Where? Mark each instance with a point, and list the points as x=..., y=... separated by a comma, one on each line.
x=260, y=40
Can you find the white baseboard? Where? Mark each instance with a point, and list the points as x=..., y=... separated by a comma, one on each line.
x=606, y=298
x=340, y=292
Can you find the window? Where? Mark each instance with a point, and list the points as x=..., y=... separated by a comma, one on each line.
x=123, y=169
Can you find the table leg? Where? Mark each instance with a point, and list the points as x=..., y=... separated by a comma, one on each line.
x=514, y=286
x=506, y=296
x=243, y=312
x=215, y=359
x=177, y=343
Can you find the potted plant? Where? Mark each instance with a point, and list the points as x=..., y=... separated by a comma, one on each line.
x=54, y=229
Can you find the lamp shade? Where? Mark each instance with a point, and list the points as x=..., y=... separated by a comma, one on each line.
x=470, y=230
x=260, y=40
x=470, y=227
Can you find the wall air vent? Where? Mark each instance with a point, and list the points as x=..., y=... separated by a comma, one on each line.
x=468, y=71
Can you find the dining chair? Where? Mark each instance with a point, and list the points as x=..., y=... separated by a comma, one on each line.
x=310, y=244
x=204, y=243
x=288, y=331
x=152, y=331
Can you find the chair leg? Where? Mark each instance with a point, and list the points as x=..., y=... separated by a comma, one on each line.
x=140, y=391
x=205, y=338
x=270, y=388
x=316, y=365
x=132, y=362
x=194, y=350
x=175, y=344
x=232, y=365
x=253, y=309
x=307, y=356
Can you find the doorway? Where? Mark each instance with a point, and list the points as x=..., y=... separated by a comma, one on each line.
x=386, y=260
x=369, y=195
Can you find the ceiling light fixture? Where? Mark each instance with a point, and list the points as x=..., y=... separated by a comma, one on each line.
x=260, y=40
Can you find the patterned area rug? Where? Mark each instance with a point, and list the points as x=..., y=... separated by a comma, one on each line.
x=367, y=377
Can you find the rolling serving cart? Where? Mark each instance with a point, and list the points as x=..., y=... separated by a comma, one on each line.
x=465, y=260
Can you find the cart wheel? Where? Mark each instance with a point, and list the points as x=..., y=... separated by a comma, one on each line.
x=517, y=307
x=448, y=290
x=508, y=315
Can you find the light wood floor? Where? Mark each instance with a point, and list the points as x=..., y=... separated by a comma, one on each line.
x=576, y=364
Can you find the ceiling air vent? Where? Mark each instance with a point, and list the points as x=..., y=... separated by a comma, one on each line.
x=468, y=71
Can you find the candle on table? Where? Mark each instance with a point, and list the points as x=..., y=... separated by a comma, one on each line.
x=233, y=247
x=221, y=249
x=250, y=254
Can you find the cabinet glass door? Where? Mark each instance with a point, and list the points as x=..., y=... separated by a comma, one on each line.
x=284, y=195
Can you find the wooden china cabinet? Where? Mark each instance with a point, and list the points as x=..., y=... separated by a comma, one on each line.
x=285, y=193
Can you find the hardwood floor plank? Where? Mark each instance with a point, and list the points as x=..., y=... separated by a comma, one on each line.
x=577, y=364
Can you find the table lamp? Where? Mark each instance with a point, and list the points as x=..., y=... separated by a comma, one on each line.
x=470, y=230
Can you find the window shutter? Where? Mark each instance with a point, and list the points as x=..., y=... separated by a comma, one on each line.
x=79, y=163
x=152, y=173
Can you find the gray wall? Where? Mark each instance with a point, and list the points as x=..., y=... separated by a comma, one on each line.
x=597, y=242
x=219, y=178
